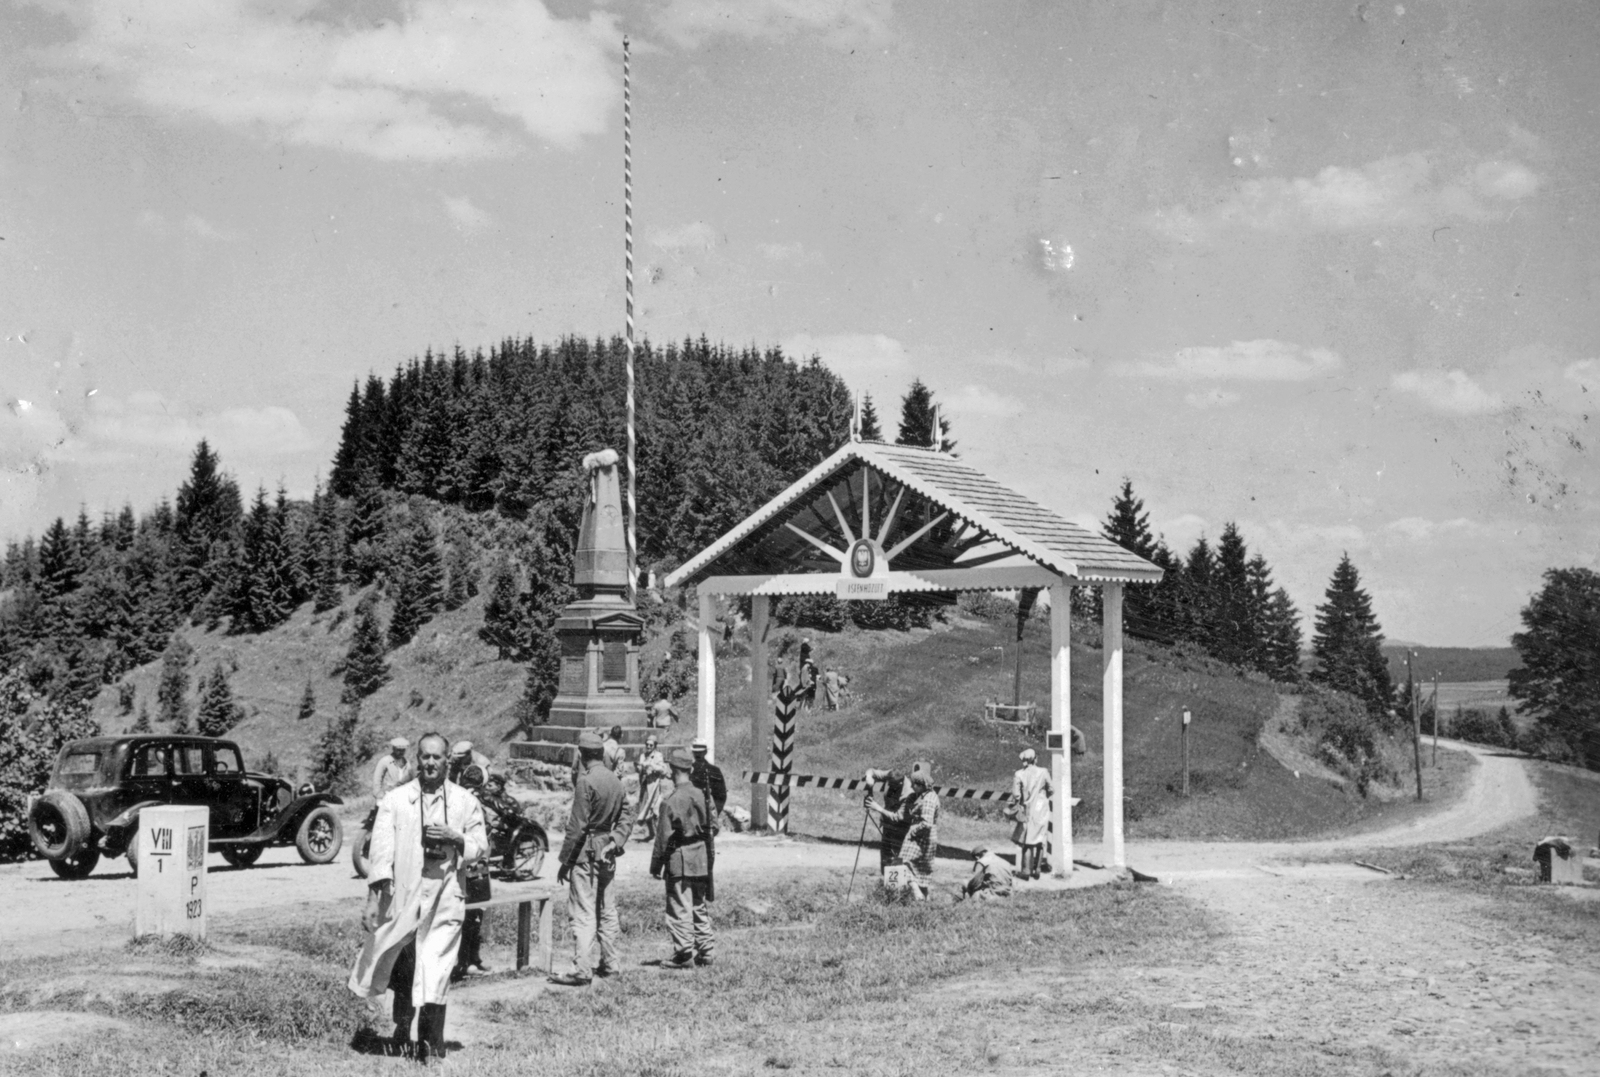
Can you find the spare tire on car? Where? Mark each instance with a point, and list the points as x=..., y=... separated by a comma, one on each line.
x=59, y=826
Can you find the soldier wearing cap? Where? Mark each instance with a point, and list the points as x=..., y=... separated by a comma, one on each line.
x=683, y=858
x=991, y=876
x=392, y=769
x=707, y=777
x=920, y=815
x=597, y=830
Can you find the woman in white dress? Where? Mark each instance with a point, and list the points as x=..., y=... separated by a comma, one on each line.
x=1030, y=807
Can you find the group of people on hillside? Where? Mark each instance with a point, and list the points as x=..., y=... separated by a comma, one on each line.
x=429, y=859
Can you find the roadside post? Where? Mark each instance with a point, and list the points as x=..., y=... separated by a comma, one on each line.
x=1435, y=718
x=1186, y=751
x=1416, y=722
x=172, y=872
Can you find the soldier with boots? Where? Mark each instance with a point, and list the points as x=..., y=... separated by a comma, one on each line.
x=683, y=858
x=598, y=828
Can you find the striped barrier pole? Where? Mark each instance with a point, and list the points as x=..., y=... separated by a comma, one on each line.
x=786, y=702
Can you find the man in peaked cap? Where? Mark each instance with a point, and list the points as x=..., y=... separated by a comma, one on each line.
x=392, y=769
x=991, y=876
x=707, y=777
x=463, y=756
x=683, y=858
x=597, y=830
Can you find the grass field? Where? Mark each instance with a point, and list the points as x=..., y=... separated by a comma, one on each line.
x=804, y=984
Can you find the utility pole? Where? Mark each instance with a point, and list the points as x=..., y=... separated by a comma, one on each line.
x=1186, y=751
x=1416, y=721
x=1435, y=718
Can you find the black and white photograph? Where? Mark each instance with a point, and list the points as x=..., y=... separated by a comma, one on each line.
x=727, y=537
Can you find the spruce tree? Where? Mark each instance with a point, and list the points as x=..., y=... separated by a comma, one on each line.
x=420, y=587
x=1198, y=600
x=1348, y=642
x=308, y=704
x=461, y=568
x=142, y=723
x=504, y=628
x=366, y=536
x=1232, y=635
x=916, y=419
x=216, y=713
x=365, y=670
x=1283, y=640
x=871, y=429
x=172, y=691
x=208, y=511
x=334, y=754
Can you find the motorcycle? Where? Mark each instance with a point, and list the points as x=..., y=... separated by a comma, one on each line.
x=517, y=844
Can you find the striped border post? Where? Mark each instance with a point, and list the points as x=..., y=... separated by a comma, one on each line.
x=787, y=700
x=627, y=243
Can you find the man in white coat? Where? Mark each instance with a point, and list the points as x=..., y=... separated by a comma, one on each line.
x=426, y=833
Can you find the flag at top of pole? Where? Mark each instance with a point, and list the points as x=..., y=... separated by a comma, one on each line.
x=627, y=239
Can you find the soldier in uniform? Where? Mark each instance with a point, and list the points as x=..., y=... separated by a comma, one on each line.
x=707, y=777
x=683, y=858
x=597, y=830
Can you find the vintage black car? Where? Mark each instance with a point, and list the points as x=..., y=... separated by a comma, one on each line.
x=91, y=807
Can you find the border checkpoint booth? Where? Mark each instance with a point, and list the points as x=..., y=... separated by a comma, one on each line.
x=875, y=520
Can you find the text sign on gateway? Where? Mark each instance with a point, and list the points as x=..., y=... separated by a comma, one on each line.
x=863, y=590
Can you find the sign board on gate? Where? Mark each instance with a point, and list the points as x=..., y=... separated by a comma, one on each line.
x=172, y=872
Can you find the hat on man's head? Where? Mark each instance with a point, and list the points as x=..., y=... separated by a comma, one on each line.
x=1028, y=755
x=922, y=772
x=589, y=741
x=461, y=747
x=979, y=850
x=699, y=747
x=400, y=742
x=678, y=759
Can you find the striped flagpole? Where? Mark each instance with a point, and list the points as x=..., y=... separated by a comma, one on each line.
x=627, y=238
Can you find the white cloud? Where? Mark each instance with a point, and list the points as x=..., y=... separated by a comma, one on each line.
x=1586, y=374
x=1421, y=529
x=449, y=80
x=845, y=23
x=108, y=428
x=1450, y=391
x=1391, y=191
x=695, y=236
x=1243, y=360
x=869, y=362
x=1211, y=398
x=981, y=400
x=465, y=213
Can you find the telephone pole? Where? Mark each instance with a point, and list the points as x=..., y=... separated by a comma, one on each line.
x=1416, y=721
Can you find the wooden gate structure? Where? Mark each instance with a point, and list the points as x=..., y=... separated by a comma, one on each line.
x=874, y=520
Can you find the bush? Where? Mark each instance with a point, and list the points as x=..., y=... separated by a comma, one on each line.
x=1347, y=737
x=987, y=606
x=31, y=736
x=1480, y=727
x=823, y=612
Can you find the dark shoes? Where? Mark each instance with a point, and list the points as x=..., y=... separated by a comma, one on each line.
x=703, y=960
x=680, y=960
x=430, y=1032
x=572, y=979
x=605, y=972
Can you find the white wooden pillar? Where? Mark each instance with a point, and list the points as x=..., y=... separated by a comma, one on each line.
x=1060, y=844
x=705, y=727
x=760, y=708
x=1111, y=687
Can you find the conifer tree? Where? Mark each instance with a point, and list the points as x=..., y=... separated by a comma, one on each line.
x=916, y=419
x=217, y=712
x=871, y=428
x=365, y=670
x=1232, y=630
x=208, y=510
x=461, y=568
x=1282, y=639
x=172, y=691
x=1348, y=642
x=503, y=623
x=308, y=704
x=419, y=592
x=142, y=723
x=1198, y=598
x=334, y=754
x=366, y=536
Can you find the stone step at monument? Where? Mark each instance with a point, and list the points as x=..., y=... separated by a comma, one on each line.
x=559, y=753
x=568, y=734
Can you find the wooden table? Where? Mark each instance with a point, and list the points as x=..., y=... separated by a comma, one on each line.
x=525, y=900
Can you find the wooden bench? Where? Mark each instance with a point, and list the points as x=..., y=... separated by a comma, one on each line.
x=1006, y=716
x=543, y=896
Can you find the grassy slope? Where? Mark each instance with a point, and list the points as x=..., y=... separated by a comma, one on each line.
x=913, y=695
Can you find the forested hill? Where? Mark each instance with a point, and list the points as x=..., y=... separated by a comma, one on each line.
x=720, y=430
x=1453, y=663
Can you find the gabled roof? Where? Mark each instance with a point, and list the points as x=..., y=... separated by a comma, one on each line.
x=945, y=483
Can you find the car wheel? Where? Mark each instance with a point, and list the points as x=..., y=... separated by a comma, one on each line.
x=360, y=852
x=242, y=856
x=76, y=867
x=59, y=825
x=525, y=852
x=320, y=837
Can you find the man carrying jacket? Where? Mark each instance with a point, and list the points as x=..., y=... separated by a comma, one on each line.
x=597, y=830
x=682, y=857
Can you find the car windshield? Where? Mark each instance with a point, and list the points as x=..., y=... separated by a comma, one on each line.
x=226, y=759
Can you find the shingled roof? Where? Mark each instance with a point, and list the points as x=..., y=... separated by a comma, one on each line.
x=946, y=483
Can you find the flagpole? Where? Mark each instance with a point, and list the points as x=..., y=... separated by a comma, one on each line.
x=627, y=232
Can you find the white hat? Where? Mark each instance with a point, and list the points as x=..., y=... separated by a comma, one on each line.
x=1028, y=755
x=699, y=745
x=400, y=742
x=461, y=747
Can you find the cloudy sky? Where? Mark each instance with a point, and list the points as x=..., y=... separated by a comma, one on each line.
x=1327, y=269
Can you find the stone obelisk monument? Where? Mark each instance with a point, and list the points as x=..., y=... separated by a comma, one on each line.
x=599, y=632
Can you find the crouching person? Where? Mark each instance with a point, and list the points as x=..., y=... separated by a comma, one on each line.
x=426, y=834
x=991, y=876
x=683, y=857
